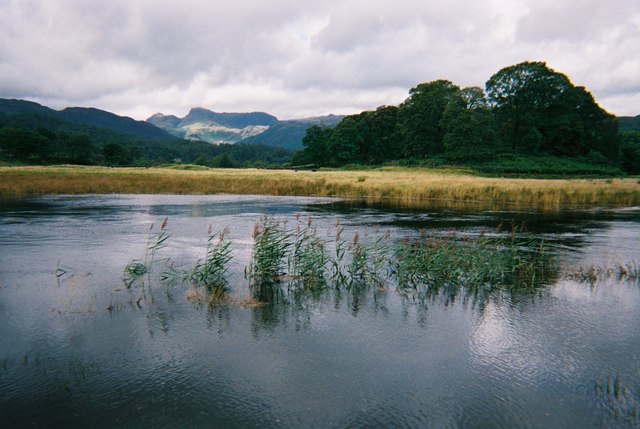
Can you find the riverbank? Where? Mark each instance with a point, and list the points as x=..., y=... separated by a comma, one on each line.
x=406, y=187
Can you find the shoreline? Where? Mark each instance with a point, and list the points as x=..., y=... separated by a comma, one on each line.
x=389, y=186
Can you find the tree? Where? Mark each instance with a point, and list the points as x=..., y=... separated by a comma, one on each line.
x=420, y=115
x=468, y=124
x=631, y=152
x=345, y=142
x=539, y=109
x=315, y=147
x=381, y=139
x=24, y=145
x=116, y=154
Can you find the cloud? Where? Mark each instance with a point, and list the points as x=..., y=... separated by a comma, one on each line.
x=294, y=58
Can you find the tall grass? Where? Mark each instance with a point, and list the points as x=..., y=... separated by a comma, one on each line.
x=271, y=243
x=308, y=259
x=210, y=273
x=448, y=265
x=402, y=187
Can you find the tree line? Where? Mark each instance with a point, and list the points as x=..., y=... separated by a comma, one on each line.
x=527, y=108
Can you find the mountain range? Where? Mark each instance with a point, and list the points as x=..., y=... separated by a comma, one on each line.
x=255, y=127
x=198, y=125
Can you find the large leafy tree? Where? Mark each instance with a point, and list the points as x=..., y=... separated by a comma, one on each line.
x=631, y=152
x=468, y=124
x=315, y=147
x=539, y=109
x=420, y=115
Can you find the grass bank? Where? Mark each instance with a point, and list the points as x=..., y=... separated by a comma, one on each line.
x=398, y=186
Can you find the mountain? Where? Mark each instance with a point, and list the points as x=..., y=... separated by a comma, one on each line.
x=90, y=121
x=253, y=128
x=212, y=127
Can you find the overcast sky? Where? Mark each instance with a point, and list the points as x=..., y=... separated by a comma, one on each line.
x=298, y=58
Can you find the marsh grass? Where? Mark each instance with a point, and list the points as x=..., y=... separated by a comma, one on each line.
x=452, y=264
x=271, y=243
x=308, y=258
x=393, y=186
x=211, y=272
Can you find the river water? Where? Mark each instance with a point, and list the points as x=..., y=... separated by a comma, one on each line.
x=79, y=349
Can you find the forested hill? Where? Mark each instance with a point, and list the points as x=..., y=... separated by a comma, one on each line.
x=28, y=113
x=34, y=134
x=528, y=113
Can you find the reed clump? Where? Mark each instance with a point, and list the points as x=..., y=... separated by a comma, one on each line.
x=211, y=272
x=271, y=242
x=450, y=264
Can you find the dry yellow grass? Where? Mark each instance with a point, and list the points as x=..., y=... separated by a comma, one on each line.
x=393, y=186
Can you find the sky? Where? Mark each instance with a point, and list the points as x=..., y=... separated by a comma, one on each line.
x=301, y=58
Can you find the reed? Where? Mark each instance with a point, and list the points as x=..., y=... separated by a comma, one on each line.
x=210, y=273
x=271, y=243
x=395, y=186
x=308, y=259
x=137, y=268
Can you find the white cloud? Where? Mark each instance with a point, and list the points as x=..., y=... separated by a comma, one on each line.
x=293, y=58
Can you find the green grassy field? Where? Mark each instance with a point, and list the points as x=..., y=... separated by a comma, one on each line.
x=397, y=186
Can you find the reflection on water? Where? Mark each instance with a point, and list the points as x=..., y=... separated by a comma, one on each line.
x=78, y=351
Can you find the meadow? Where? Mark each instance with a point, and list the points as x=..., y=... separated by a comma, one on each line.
x=393, y=186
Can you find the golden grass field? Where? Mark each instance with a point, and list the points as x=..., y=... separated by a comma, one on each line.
x=388, y=185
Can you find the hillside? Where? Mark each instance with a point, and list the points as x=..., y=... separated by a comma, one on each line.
x=98, y=124
x=34, y=134
x=629, y=123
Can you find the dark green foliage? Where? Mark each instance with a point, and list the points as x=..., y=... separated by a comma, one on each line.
x=468, y=124
x=420, y=115
x=539, y=109
x=34, y=134
x=628, y=123
x=631, y=152
x=518, y=164
x=115, y=154
x=530, y=113
x=316, y=147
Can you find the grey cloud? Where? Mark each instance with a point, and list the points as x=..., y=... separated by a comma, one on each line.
x=138, y=57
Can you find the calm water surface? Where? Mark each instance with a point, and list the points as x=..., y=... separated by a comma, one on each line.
x=75, y=351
